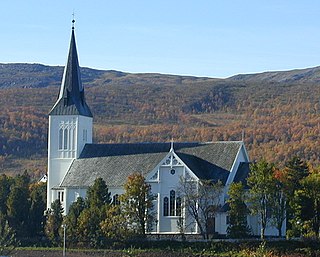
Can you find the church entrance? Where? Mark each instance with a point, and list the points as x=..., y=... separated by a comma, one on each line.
x=211, y=224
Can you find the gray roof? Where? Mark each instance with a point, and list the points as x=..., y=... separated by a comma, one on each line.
x=71, y=100
x=115, y=162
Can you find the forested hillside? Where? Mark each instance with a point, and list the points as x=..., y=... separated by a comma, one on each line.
x=278, y=111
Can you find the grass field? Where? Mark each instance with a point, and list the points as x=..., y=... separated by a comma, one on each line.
x=249, y=248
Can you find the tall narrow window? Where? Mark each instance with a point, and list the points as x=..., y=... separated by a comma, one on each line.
x=60, y=139
x=116, y=200
x=172, y=202
x=165, y=206
x=85, y=135
x=65, y=139
x=61, y=196
x=73, y=138
x=178, y=206
x=69, y=139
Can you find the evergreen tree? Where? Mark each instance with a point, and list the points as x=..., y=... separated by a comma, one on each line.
x=238, y=225
x=98, y=194
x=97, y=202
x=54, y=221
x=294, y=172
x=8, y=240
x=5, y=184
x=38, y=196
x=89, y=227
x=72, y=220
x=18, y=209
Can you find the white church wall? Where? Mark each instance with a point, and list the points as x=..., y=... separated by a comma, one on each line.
x=221, y=223
x=84, y=132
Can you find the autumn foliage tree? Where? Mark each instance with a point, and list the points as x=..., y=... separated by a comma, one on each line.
x=137, y=204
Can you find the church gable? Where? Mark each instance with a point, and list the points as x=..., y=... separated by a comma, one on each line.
x=171, y=166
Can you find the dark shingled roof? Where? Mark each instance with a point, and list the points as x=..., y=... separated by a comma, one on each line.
x=115, y=162
x=243, y=173
x=71, y=99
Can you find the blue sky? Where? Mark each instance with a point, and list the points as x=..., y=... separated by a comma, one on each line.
x=214, y=38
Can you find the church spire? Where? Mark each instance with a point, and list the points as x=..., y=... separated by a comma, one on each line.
x=71, y=100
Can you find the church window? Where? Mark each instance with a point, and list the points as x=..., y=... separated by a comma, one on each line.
x=172, y=171
x=85, y=135
x=172, y=202
x=60, y=139
x=115, y=200
x=70, y=139
x=61, y=196
x=65, y=139
x=166, y=206
x=172, y=205
x=73, y=139
x=178, y=206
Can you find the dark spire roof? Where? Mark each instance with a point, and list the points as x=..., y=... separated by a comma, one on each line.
x=71, y=100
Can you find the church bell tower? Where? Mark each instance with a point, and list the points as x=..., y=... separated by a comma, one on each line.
x=70, y=126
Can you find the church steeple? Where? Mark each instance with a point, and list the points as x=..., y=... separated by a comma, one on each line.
x=71, y=100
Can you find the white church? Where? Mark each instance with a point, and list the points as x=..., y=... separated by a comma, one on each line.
x=74, y=161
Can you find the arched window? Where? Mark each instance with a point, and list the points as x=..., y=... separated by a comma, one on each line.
x=172, y=207
x=165, y=206
x=172, y=202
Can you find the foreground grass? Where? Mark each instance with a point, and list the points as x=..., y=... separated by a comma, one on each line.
x=182, y=249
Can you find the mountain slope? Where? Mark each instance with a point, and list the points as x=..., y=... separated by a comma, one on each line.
x=278, y=111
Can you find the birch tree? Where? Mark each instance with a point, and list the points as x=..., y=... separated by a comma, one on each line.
x=201, y=201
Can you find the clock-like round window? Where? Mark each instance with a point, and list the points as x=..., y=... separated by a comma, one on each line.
x=172, y=172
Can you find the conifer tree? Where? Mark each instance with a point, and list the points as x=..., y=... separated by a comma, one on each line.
x=238, y=211
x=8, y=240
x=54, y=221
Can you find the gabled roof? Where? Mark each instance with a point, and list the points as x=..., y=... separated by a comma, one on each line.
x=71, y=100
x=115, y=162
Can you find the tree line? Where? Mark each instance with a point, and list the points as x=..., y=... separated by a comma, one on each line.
x=277, y=195
x=98, y=218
